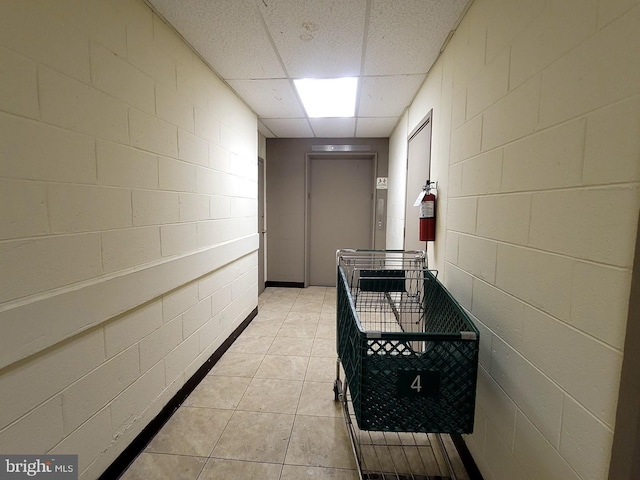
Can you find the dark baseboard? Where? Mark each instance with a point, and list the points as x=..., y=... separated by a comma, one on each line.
x=272, y=283
x=465, y=455
x=126, y=458
x=131, y=452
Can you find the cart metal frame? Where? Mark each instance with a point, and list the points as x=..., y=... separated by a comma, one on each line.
x=387, y=295
x=393, y=455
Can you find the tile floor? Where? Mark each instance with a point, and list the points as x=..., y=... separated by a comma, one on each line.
x=266, y=410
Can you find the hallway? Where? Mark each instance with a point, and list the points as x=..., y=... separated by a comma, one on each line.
x=131, y=229
x=266, y=409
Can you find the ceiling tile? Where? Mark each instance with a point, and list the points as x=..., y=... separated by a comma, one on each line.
x=318, y=39
x=229, y=34
x=264, y=130
x=387, y=96
x=269, y=98
x=405, y=37
x=377, y=127
x=259, y=46
x=289, y=127
x=333, y=127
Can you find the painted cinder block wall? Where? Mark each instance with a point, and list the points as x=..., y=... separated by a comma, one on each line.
x=536, y=147
x=128, y=227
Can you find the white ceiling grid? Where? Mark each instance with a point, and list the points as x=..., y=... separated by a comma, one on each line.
x=259, y=46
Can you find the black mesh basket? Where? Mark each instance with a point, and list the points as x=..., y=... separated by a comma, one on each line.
x=409, y=352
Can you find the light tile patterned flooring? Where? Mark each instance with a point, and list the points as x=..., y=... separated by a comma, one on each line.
x=266, y=410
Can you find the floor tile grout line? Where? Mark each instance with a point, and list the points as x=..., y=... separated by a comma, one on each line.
x=251, y=378
x=286, y=450
x=235, y=409
x=302, y=381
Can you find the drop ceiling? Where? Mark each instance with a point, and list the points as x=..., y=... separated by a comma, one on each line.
x=259, y=46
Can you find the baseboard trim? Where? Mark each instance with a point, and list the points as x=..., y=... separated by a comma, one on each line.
x=272, y=283
x=126, y=458
x=466, y=458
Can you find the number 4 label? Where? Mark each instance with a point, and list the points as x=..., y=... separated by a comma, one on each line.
x=418, y=383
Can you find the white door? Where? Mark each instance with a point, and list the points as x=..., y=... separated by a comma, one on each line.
x=340, y=212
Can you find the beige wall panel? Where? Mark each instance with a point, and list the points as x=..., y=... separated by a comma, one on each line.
x=498, y=452
x=489, y=86
x=541, y=279
x=28, y=215
x=123, y=166
x=513, y=117
x=587, y=369
x=466, y=141
x=497, y=406
x=117, y=77
x=538, y=457
x=504, y=217
x=596, y=225
x=37, y=151
x=482, y=174
x=612, y=147
x=108, y=124
x=600, y=300
x=561, y=26
x=550, y=159
x=478, y=257
x=18, y=91
x=499, y=311
x=539, y=398
x=589, y=76
x=36, y=265
x=586, y=442
x=462, y=214
x=506, y=20
x=69, y=103
x=129, y=247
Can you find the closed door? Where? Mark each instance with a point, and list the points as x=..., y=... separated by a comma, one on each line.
x=418, y=168
x=261, y=230
x=340, y=212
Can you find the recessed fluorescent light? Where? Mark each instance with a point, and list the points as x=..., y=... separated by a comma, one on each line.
x=334, y=97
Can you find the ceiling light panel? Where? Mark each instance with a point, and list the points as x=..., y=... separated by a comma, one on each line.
x=328, y=97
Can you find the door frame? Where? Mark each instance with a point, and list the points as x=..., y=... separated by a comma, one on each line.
x=426, y=122
x=262, y=226
x=307, y=187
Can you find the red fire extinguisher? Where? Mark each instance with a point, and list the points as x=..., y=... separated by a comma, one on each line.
x=428, y=213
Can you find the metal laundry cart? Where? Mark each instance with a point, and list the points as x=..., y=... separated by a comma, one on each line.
x=410, y=355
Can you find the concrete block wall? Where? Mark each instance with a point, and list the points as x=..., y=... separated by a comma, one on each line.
x=536, y=148
x=128, y=223
x=397, y=184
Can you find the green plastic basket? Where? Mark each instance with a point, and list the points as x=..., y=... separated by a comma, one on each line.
x=401, y=381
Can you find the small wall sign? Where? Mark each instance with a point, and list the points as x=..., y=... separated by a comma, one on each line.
x=381, y=183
